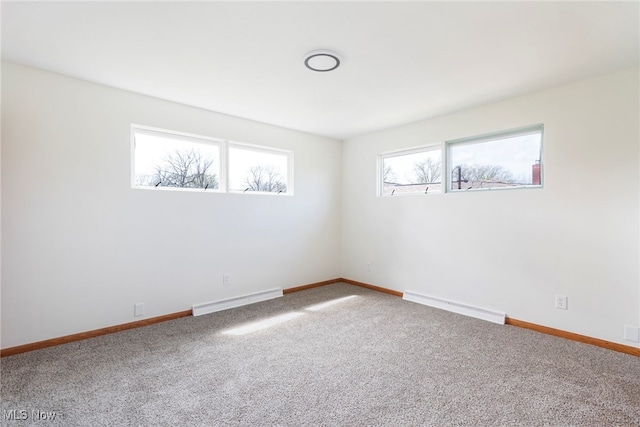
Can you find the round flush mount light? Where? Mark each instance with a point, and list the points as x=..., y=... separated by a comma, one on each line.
x=322, y=60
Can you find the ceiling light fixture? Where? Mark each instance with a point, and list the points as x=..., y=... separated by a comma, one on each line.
x=322, y=60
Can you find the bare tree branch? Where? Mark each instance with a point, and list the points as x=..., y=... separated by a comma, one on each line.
x=486, y=173
x=185, y=169
x=388, y=174
x=427, y=171
x=264, y=178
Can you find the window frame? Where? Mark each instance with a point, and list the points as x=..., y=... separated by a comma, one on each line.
x=405, y=152
x=223, y=146
x=267, y=150
x=493, y=136
x=178, y=136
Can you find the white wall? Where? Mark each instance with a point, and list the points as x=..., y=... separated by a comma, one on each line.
x=514, y=250
x=80, y=247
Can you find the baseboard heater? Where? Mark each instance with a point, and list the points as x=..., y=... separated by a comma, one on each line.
x=456, y=307
x=225, y=304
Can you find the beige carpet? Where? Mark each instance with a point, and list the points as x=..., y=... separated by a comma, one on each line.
x=367, y=359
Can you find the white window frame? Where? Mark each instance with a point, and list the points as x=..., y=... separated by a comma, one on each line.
x=179, y=136
x=223, y=146
x=267, y=150
x=404, y=152
x=522, y=131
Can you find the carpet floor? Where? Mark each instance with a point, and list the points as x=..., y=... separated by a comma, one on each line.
x=336, y=355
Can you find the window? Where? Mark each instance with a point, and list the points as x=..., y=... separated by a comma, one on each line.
x=167, y=159
x=509, y=159
x=416, y=171
x=259, y=169
x=173, y=160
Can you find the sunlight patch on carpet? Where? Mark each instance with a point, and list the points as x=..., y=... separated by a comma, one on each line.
x=263, y=324
x=317, y=307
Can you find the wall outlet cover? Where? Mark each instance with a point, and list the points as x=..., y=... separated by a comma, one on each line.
x=562, y=302
x=138, y=309
x=631, y=333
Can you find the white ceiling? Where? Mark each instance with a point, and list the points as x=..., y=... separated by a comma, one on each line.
x=402, y=61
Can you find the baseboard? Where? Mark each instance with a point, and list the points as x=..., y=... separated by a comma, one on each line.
x=225, y=304
x=456, y=307
x=310, y=286
x=10, y=351
x=343, y=280
x=372, y=287
x=634, y=351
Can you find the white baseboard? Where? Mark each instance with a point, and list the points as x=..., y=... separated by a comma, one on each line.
x=225, y=304
x=456, y=307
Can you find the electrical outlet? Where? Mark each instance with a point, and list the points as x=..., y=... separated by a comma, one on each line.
x=226, y=280
x=561, y=302
x=631, y=333
x=138, y=309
